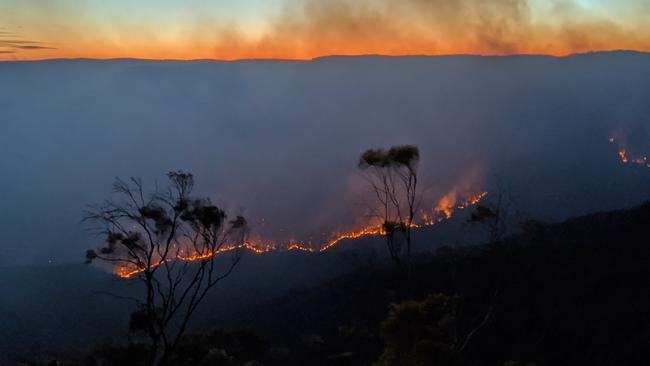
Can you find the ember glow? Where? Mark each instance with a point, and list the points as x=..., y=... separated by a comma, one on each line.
x=447, y=206
x=445, y=210
x=625, y=156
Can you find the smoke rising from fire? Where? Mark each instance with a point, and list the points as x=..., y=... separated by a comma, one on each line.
x=445, y=210
x=312, y=28
x=279, y=141
x=305, y=29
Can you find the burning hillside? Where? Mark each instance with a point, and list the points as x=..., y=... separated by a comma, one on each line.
x=445, y=209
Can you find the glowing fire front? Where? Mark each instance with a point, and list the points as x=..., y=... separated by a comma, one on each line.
x=444, y=210
x=447, y=206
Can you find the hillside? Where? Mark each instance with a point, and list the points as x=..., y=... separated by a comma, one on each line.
x=70, y=308
x=573, y=293
x=569, y=293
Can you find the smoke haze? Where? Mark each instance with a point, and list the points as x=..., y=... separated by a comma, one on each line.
x=305, y=29
x=279, y=141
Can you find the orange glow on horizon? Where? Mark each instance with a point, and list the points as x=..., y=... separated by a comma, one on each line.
x=308, y=29
x=162, y=54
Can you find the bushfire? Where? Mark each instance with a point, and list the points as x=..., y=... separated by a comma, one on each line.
x=444, y=210
x=626, y=158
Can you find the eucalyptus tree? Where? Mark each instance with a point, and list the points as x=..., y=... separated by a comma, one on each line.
x=168, y=241
x=393, y=178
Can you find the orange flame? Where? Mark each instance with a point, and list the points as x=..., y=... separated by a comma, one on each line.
x=625, y=157
x=443, y=211
x=351, y=235
x=447, y=205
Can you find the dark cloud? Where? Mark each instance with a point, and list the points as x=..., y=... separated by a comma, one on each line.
x=16, y=44
x=32, y=47
x=18, y=41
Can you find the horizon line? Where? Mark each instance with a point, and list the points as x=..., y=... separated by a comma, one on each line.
x=327, y=56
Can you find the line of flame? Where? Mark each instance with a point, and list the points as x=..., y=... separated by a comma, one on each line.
x=441, y=213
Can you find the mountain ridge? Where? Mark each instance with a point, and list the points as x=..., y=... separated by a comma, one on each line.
x=339, y=57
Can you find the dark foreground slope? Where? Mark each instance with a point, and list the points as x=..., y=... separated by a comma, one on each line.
x=64, y=309
x=574, y=293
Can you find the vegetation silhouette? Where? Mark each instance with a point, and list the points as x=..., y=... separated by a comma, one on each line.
x=393, y=178
x=495, y=215
x=145, y=235
x=567, y=293
x=420, y=333
x=222, y=348
x=571, y=293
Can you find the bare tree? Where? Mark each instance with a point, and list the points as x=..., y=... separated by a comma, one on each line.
x=495, y=215
x=168, y=241
x=392, y=176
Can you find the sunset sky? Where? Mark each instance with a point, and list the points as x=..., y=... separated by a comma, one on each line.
x=304, y=29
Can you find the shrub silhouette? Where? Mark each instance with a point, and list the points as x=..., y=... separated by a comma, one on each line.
x=420, y=333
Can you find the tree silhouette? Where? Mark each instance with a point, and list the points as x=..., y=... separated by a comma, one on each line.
x=495, y=216
x=167, y=240
x=392, y=175
x=420, y=333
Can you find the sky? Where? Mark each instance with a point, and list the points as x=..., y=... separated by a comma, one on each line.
x=305, y=29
